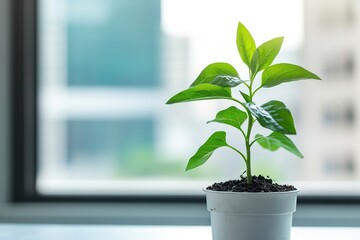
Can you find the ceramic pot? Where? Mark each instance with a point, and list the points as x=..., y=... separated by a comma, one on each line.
x=251, y=216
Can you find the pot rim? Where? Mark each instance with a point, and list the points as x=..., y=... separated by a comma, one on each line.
x=250, y=193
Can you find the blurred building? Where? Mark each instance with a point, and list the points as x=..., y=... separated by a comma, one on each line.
x=331, y=44
x=106, y=68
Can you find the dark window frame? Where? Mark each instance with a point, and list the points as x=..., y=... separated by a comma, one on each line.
x=24, y=124
x=23, y=99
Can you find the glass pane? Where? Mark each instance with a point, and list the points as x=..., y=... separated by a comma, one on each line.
x=113, y=43
x=107, y=67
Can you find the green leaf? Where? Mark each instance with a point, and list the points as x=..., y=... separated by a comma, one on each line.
x=245, y=96
x=245, y=44
x=216, y=140
x=273, y=115
x=276, y=140
x=285, y=72
x=203, y=91
x=265, y=54
x=221, y=74
x=231, y=116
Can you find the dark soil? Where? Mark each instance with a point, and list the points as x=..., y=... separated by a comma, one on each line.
x=259, y=184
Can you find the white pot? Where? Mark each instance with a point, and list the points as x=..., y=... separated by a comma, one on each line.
x=251, y=216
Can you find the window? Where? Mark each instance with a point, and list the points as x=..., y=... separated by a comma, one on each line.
x=93, y=118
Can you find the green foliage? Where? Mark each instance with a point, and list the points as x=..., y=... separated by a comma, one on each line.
x=265, y=54
x=203, y=91
x=231, y=116
x=216, y=140
x=221, y=74
x=245, y=96
x=215, y=81
x=277, y=140
x=273, y=115
x=245, y=43
x=285, y=72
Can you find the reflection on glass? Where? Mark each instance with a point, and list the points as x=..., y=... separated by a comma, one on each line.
x=106, y=68
x=113, y=43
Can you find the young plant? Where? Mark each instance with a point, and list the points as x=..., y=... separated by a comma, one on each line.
x=217, y=80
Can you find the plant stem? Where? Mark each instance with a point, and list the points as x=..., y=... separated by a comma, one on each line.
x=248, y=132
x=247, y=139
x=255, y=141
x=256, y=90
x=242, y=155
x=248, y=152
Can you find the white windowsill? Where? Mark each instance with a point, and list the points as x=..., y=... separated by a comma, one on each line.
x=176, y=187
x=112, y=232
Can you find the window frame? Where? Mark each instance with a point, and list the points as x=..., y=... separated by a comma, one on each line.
x=24, y=126
x=23, y=104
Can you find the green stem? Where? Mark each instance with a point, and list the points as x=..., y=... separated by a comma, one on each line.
x=248, y=152
x=247, y=139
x=243, y=133
x=235, y=100
x=256, y=90
x=250, y=89
x=242, y=155
x=246, y=85
x=255, y=141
